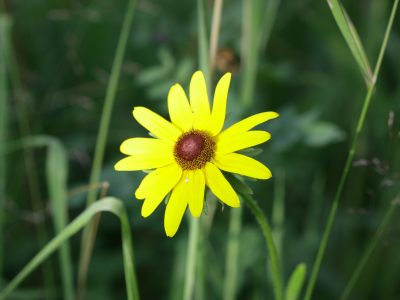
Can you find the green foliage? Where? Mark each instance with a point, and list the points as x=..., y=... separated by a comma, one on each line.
x=352, y=39
x=109, y=204
x=295, y=282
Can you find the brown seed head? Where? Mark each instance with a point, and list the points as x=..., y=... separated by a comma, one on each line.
x=193, y=149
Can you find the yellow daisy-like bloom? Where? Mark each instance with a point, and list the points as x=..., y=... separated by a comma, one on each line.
x=191, y=150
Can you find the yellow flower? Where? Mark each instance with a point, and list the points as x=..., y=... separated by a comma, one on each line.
x=191, y=150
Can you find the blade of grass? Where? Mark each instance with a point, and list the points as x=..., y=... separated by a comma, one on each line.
x=271, y=11
x=370, y=248
x=204, y=59
x=109, y=204
x=56, y=175
x=352, y=39
x=360, y=124
x=29, y=161
x=262, y=220
x=83, y=270
x=4, y=24
x=106, y=117
x=109, y=100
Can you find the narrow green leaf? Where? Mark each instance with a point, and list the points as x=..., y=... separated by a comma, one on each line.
x=352, y=39
x=238, y=185
x=250, y=151
x=109, y=204
x=56, y=175
x=167, y=197
x=228, y=114
x=295, y=283
x=4, y=26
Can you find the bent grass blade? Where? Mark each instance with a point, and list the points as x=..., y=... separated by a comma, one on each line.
x=109, y=204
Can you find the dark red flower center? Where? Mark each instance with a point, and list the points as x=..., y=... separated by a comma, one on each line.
x=193, y=149
x=190, y=147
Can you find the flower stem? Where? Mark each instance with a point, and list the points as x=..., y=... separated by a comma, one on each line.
x=231, y=268
x=335, y=204
x=262, y=220
x=369, y=250
x=191, y=257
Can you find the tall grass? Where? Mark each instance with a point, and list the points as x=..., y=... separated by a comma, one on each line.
x=349, y=160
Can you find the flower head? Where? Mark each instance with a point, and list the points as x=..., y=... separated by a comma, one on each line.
x=190, y=151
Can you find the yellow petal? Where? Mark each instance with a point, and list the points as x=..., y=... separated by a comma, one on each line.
x=241, y=141
x=156, y=124
x=246, y=125
x=179, y=108
x=199, y=101
x=220, y=186
x=167, y=178
x=145, y=145
x=147, y=183
x=219, y=105
x=145, y=161
x=240, y=164
x=176, y=207
x=196, y=185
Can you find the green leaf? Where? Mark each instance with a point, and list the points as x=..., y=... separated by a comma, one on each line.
x=237, y=185
x=167, y=197
x=321, y=133
x=295, y=283
x=56, y=176
x=228, y=114
x=109, y=204
x=153, y=135
x=250, y=151
x=352, y=39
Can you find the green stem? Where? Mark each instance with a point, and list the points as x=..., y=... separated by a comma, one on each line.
x=191, y=256
x=232, y=253
x=204, y=59
x=109, y=101
x=106, y=115
x=262, y=220
x=278, y=211
x=335, y=204
x=3, y=133
x=369, y=250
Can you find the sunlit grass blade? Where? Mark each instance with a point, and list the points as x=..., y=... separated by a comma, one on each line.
x=295, y=282
x=349, y=160
x=262, y=220
x=352, y=39
x=109, y=204
x=357, y=272
x=56, y=175
x=109, y=100
x=4, y=25
x=106, y=116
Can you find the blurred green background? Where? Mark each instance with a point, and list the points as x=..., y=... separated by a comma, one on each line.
x=306, y=73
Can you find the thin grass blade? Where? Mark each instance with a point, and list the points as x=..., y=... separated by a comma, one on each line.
x=352, y=39
x=4, y=26
x=109, y=204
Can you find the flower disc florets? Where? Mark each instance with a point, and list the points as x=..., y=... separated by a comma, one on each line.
x=193, y=149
